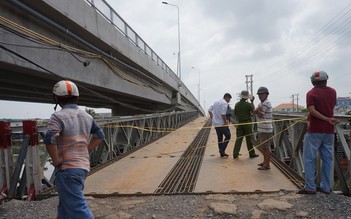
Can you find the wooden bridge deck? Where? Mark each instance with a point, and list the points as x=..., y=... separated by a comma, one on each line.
x=143, y=171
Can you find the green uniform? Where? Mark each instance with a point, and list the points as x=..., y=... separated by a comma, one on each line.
x=243, y=111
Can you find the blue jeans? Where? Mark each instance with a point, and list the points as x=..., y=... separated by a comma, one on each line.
x=222, y=145
x=324, y=144
x=69, y=185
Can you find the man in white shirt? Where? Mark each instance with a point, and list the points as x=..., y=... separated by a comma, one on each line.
x=218, y=115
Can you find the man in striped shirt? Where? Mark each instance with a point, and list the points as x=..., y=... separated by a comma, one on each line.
x=67, y=142
x=264, y=126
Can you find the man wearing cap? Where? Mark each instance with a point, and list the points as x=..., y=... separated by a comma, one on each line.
x=243, y=111
x=218, y=113
x=319, y=138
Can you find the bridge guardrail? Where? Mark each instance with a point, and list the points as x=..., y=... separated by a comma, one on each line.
x=287, y=145
x=103, y=8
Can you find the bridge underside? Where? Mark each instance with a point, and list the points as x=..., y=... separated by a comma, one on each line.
x=20, y=84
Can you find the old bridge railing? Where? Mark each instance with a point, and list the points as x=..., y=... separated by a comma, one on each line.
x=287, y=146
x=22, y=166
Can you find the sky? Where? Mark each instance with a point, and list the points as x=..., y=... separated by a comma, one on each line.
x=280, y=43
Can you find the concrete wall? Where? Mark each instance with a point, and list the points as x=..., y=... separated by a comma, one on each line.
x=84, y=15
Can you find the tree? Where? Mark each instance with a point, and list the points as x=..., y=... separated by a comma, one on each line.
x=92, y=113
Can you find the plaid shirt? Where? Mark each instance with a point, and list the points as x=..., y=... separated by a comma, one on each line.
x=70, y=129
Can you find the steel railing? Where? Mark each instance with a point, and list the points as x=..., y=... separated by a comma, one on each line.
x=123, y=135
x=103, y=8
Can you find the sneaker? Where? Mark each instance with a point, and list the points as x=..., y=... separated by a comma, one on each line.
x=224, y=155
x=322, y=191
x=253, y=156
x=306, y=192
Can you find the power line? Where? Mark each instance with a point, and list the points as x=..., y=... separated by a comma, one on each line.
x=315, y=43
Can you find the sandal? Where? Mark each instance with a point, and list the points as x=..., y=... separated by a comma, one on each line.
x=260, y=164
x=264, y=168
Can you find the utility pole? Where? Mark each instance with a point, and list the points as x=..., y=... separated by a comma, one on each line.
x=297, y=102
x=293, y=104
x=249, y=83
x=205, y=109
x=198, y=85
x=179, y=66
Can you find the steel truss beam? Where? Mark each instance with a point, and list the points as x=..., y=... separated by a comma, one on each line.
x=288, y=147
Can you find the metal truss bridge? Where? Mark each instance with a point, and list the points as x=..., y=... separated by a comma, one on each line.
x=170, y=153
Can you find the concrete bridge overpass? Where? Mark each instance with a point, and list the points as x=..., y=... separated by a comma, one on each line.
x=87, y=42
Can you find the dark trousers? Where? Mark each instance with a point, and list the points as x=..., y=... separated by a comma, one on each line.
x=223, y=131
x=241, y=132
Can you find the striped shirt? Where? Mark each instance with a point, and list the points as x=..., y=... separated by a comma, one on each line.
x=70, y=129
x=265, y=122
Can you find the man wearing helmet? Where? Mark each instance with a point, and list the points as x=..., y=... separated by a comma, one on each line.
x=264, y=126
x=320, y=101
x=67, y=142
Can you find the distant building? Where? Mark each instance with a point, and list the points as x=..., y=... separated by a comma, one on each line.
x=288, y=108
x=103, y=115
x=343, y=101
x=342, y=110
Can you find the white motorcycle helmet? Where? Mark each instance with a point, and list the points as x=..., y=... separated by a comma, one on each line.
x=319, y=77
x=64, y=89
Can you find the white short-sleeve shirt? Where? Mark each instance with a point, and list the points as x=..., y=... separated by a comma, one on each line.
x=218, y=109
